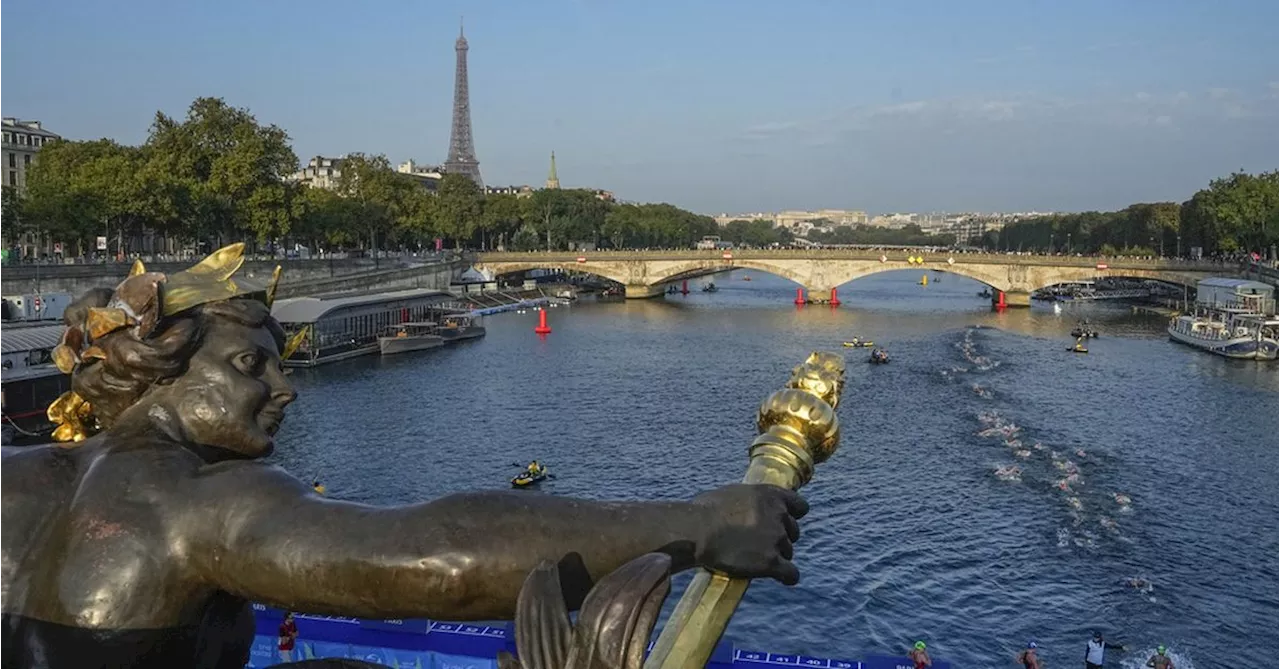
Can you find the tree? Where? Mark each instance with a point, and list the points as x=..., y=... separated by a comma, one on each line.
x=231, y=166
x=458, y=208
x=13, y=214
x=500, y=218
x=385, y=202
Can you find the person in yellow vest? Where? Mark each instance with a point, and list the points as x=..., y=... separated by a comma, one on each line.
x=318, y=487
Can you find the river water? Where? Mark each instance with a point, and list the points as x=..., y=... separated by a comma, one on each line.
x=912, y=533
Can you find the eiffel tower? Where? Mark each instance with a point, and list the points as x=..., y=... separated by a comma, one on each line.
x=462, y=150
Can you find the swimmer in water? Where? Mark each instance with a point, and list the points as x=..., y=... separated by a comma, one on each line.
x=920, y=656
x=1027, y=658
x=1075, y=503
x=1123, y=499
x=1160, y=660
x=1079, y=453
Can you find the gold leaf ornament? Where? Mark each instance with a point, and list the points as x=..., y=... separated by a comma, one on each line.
x=71, y=413
x=102, y=321
x=208, y=281
x=294, y=342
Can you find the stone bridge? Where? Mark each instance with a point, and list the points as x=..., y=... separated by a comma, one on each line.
x=818, y=271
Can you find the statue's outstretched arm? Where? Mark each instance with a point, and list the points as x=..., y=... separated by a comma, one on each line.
x=263, y=535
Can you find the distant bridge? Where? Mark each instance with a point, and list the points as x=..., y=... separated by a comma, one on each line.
x=647, y=273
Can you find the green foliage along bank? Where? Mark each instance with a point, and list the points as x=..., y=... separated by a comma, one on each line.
x=218, y=175
x=1233, y=215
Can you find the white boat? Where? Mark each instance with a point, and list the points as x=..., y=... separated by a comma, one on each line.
x=1231, y=333
x=408, y=337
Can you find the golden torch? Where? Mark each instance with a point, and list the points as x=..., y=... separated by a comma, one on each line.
x=798, y=429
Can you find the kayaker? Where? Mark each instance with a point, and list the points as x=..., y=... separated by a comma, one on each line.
x=1027, y=658
x=534, y=468
x=1160, y=660
x=318, y=487
x=920, y=656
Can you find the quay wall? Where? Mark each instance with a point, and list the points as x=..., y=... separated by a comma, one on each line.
x=300, y=277
x=78, y=278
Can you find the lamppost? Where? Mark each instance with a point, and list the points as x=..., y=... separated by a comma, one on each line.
x=1068, y=243
x=1179, y=252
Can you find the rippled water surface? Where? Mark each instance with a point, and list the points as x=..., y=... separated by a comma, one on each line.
x=990, y=488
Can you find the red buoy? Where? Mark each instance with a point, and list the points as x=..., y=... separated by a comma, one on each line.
x=684, y=287
x=542, y=328
x=800, y=296
x=1000, y=303
x=835, y=299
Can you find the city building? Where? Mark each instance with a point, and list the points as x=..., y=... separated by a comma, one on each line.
x=428, y=176
x=837, y=217
x=22, y=141
x=725, y=219
x=320, y=172
x=518, y=191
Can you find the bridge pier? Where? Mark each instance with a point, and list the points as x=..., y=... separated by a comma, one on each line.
x=1011, y=298
x=641, y=291
x=819, y=295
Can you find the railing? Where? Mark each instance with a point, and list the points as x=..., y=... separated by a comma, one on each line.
x=928, y=258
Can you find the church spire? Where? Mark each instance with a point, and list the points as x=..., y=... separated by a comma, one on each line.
x=553, y=181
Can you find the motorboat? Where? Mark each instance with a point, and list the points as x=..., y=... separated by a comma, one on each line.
x=879, y=356
x=407, y=337
x=460, y=326
x=858, y=343
x=709, y=288
x=1231, y=333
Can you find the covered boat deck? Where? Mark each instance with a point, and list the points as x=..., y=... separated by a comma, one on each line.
x=344, y=327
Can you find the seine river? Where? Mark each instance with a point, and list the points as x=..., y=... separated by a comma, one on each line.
x=1166, y=531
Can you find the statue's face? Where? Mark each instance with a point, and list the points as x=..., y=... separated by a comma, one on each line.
x=234, y=392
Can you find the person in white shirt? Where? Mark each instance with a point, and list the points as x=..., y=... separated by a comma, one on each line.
x=1094, y=654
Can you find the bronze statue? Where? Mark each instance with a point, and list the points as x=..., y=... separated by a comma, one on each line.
x=613, y=626
x=141, y=539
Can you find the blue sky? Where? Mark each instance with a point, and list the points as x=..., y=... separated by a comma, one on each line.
x=722, y=105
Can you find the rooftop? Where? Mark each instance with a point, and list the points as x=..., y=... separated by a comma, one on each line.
x=1225, y=282
x=312, y=309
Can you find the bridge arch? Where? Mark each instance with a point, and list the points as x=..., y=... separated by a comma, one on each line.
x=503, y=268
x=695, y=268
x=1093, y=274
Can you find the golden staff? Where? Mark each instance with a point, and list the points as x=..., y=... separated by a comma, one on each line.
x=798, y=429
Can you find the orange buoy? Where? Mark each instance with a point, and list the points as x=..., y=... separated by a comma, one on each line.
x=835, y=299
x=800, y=296
x=542, y=328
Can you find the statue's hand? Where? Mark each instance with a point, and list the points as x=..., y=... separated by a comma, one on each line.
x=749, y=531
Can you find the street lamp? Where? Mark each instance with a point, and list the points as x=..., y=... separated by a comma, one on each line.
x=1179, y=252
x=1068, y=243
